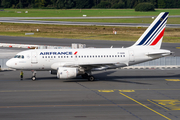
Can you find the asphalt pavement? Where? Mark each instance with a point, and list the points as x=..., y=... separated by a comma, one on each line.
x=127, y=94
x=115, y=94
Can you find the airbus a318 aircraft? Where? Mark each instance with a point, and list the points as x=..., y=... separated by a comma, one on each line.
x=69, y=63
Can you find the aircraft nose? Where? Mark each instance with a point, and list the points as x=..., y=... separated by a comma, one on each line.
x=9, y=63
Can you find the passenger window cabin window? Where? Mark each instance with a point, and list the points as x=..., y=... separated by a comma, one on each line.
x=67, y=56
x=54, y=56
x=109, y=55
x=112, y=55
x=46, y=56
x=64, y=56
x=71, y=56
x=19, y=56
x=61, y=56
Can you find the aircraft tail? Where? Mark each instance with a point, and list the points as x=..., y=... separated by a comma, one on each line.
x=153, y=35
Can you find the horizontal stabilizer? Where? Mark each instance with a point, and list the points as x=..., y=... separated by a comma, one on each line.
x=159, y=53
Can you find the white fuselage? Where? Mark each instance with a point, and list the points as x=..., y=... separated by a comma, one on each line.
x=104, y=58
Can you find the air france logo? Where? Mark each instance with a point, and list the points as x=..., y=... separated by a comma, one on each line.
x=56, y=53
x=75, y=53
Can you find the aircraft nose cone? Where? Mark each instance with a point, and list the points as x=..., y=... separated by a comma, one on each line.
x=9, y=63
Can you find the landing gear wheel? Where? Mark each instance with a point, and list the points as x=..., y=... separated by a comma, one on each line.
x=91, y=78
x=33, y=78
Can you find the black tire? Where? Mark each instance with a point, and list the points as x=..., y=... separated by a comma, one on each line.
x=33, y=78
x=91, y=78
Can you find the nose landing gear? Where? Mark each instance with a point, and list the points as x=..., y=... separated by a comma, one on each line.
x=33, y=75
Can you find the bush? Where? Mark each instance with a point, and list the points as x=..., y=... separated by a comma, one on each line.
x=144, y=7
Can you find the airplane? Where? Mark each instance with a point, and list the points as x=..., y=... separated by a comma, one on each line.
x=70, y=63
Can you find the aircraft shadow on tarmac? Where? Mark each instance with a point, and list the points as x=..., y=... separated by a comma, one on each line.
x=121, y=79
x=105, y=77
x=43, y=78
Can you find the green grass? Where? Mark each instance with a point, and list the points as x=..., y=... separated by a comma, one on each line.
x=78, y=13
x=123, y=20
x=83, y=32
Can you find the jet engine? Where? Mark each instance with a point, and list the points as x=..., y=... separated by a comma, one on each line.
x=66, y=72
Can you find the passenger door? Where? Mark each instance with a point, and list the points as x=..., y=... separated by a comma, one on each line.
x=34, y=59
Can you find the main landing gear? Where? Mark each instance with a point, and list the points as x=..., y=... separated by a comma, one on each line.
x=89, y=77
x=33, y=75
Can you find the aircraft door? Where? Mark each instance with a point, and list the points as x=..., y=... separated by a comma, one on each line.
x=34, y=59
x=131, y=56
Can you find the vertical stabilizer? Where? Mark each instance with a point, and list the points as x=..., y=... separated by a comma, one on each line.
x=153, y=35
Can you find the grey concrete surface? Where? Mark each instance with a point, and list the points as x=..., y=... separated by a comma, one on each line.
x=116, y=17
x=51, y=98
x=85, y=23
x=89, y=43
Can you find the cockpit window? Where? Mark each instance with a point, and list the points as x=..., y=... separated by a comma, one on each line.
x=19, y=56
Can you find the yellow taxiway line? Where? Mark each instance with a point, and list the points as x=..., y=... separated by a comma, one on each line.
x=144, y=106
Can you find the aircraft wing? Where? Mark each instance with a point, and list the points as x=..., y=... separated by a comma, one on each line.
x=90, y=66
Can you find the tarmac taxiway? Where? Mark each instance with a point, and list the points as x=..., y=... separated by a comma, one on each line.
x=127, y=94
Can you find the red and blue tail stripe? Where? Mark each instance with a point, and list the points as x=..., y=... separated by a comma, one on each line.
x=155, y=31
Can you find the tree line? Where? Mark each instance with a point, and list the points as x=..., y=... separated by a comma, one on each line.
x=76, y=4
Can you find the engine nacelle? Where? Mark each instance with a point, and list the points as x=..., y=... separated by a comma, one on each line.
x=66, y=72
